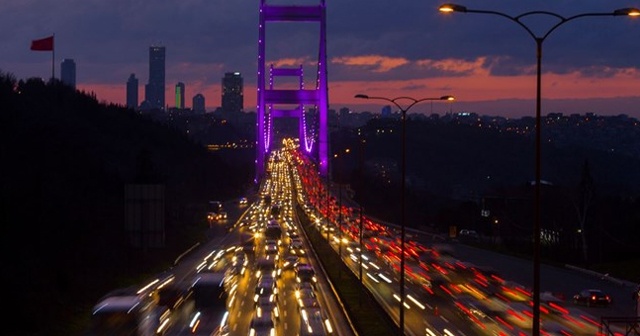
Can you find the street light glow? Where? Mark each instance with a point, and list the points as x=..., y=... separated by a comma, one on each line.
x=449, y=8
x=627, y=11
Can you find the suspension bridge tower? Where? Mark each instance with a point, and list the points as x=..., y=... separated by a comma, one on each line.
x=271, y=100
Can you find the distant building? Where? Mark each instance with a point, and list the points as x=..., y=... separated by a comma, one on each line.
x=198, y=103
x=386, y=111
x=154, y=90
x=232, y=96
x=132, y=92
x=68, y=72
x=180, y=95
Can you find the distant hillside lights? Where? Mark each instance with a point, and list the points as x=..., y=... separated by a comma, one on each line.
x=242, y=144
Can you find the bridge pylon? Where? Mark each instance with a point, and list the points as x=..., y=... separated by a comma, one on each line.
x=268, y=97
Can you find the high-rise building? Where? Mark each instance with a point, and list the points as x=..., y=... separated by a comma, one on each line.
x=68, y=72
x=154, y=90
x=180, y=95
x=232, y=98
x=132, y=92
x=198, y=103
x=386, y=111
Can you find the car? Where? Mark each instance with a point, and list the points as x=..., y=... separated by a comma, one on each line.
x=314, y=322
x=269, y=308
x=303, y=286
x=290, y=261
x=469, y=235
x=296, y=246
x=243, y=201
x=304, y=273
x=305, y=293
x=266, y=291
x=262, y=324
x=592, y=297
x=271, y=249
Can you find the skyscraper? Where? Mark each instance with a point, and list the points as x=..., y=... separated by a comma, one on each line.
x=232, y=99
x=386, y=111
x=132, y=92
x=68, y=72
x=154, y=90
x=180, y=95
x=198, y=103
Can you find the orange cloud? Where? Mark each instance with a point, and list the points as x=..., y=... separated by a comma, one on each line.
x=458, y=66
x=375, y=62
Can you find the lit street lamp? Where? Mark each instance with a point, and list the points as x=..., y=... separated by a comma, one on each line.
x=539, y=39
x=403, y=110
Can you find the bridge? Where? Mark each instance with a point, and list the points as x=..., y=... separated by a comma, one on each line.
x=273, y=103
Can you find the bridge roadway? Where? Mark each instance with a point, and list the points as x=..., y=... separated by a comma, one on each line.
x=239, y=230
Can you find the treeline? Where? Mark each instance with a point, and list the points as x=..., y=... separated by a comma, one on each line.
x=65, y=160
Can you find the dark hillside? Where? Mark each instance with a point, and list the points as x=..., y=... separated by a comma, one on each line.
x=65, y=159
x=453, y=171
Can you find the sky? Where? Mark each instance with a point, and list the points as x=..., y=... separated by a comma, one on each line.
x=385, y=48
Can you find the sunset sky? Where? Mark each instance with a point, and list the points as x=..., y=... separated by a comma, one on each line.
x=377, y=47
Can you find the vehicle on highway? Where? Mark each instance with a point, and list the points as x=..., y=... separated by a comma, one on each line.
x=262, y=324
x=266, y=264
x=125, y=314
x=313, y=322
x=468, y=235
x=176, y=297
x=296, y=246
x=273, y=230
x=266, y=291
x=592, y=297
x=305, y=273
x=307, y=299
x=215, y=211
x=210, y=297
x=290, y=261
x=243, y=201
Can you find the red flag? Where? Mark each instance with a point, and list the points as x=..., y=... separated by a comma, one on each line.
x=45, y=44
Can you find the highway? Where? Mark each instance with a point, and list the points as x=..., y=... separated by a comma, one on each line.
x=454, y=289
x=451, y=289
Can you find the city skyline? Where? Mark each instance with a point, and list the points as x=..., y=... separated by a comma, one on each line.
x=376, y=47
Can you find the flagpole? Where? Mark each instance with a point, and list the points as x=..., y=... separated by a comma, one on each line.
x=53, y=58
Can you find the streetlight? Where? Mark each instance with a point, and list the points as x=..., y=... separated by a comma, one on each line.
x=403, y=110
x=340, y=157
x=448, y=8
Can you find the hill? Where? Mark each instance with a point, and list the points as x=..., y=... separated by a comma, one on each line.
x=65, y=161
x=463, y=176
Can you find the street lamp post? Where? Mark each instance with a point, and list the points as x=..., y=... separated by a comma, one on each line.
x=539, y=39
x=403, y=110
x=340, y=177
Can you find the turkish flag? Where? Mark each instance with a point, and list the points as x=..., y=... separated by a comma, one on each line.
x=45, y=44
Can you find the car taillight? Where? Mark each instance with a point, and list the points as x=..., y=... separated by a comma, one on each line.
x=593, y=297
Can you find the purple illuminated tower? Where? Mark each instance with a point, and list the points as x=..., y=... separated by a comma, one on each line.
x=268, y=96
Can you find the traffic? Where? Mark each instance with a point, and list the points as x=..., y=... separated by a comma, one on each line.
x=261, y=276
